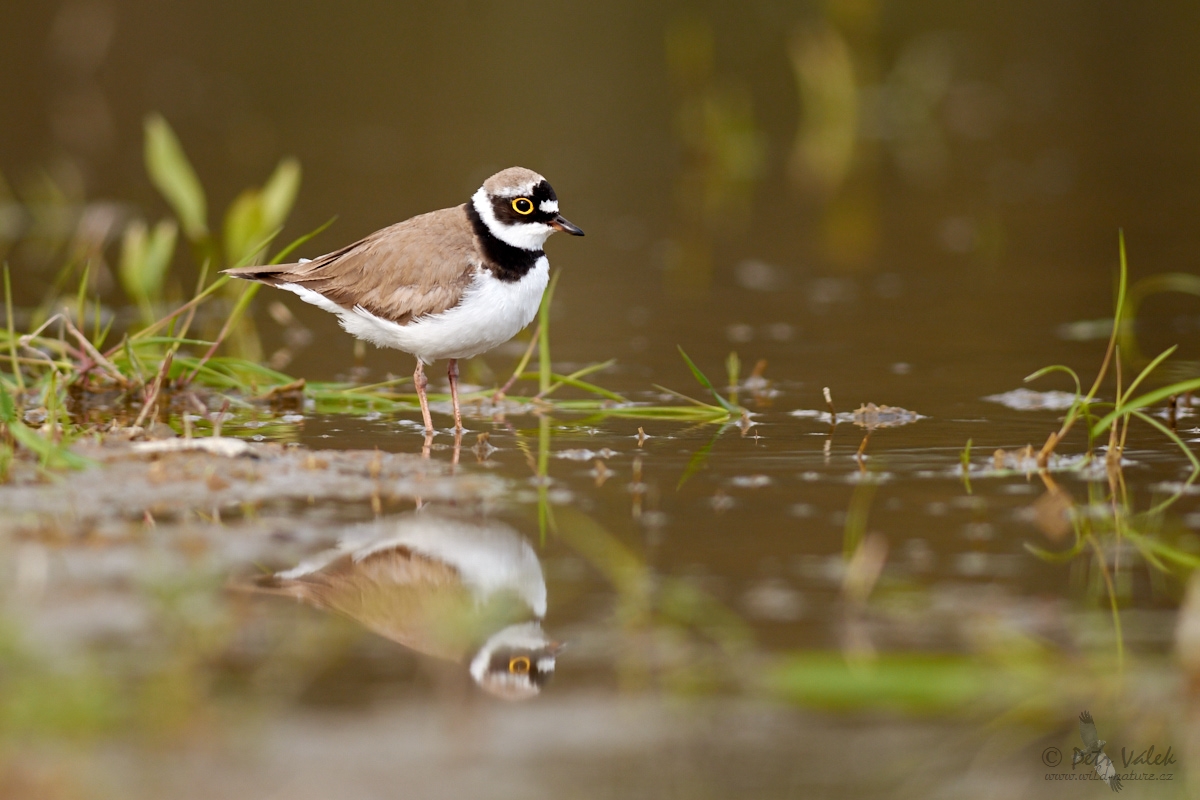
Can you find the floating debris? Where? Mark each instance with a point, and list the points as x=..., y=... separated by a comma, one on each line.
x=1029, y=400
x=869, y=416
x=601, y=473
x=773, y=600
x=583, y=454
x=1086, y=330
x=721, y=502
x=223, y=446
x=751, y=481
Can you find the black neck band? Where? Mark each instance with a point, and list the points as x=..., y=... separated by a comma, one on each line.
x=506, y=262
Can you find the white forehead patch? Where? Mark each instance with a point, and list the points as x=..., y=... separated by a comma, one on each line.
x=549, y=206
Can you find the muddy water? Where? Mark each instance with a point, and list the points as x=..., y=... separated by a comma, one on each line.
x=904, y=206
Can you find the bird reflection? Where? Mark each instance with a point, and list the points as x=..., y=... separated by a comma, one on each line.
x=462, y=589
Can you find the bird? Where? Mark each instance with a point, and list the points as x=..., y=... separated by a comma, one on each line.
x=1093, y=753
x=453, y=587
x=449, y=284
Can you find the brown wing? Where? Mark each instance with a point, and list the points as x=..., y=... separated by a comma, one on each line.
x=412, y=599
x=419, y=266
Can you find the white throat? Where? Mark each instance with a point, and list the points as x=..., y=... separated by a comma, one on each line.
x=524, y=635
x=525, y=235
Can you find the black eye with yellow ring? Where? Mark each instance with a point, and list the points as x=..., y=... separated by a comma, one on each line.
x=523, y=205
x=520, y=664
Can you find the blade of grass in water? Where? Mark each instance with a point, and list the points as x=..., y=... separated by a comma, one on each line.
x=239, y=308
x=12, y=336
x=697, y=461
x=706, y=383
x=8, y=409
x=545, y=513
x=1153, y=365
x=195, y=301
x=733, y=369
x=544, y=374
x=691, y=400
x=50, y=454
x=1148, y=399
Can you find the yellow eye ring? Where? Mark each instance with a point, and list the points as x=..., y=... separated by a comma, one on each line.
x=523, y=205
x=519, y=665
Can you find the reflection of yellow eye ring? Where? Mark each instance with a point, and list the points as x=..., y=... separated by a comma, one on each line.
x=519, y=665
x=523, y=205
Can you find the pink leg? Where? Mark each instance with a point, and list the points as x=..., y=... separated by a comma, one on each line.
x=421, y=382
x=452, y=371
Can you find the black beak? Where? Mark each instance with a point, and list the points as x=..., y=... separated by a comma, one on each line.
x=560, y=223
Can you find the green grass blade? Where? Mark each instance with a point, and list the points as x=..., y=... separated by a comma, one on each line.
x=697, y=461
x=12, y=336
x=1058, y=557
x=567, y=380
x=195, y=301
x=53, y=456
x=1148, y=399
x=172, y=174
x=8, y=409
x=706, y=383
x=691, y=400
x=1163, y=356
x=544, y=336
x=1057, y=368
x=299, y=241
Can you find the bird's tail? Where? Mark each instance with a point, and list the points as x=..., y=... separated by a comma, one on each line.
x=269, y=584
x=271, y=274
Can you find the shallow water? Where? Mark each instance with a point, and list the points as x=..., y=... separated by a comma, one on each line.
x=748, y=609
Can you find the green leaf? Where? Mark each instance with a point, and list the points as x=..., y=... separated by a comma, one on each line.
x=287, y=251
x=1057, y=556
x=258, y=214
x=159, y=252
x=914, y=682
x=8, y=409
x=1148, y=399
x=133, y=254
x=279, y=193
x=173, y=176
x=706, y=383
x=54, y=456
x=1057, y=368
x=1145, y=373
x=544, y=372
x=698, y=460
x=145, y=258
x=244, y=224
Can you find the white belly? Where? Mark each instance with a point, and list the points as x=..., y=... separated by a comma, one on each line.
x=489, y=314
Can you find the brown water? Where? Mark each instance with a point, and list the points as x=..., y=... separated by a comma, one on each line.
x=906, y=205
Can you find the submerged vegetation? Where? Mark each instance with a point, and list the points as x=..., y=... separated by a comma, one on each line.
x=1108, y=523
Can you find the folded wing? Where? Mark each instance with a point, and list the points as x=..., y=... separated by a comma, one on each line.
x=416, y=267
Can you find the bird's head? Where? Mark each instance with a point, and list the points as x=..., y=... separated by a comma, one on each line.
x=520, y=208
x=516, y=662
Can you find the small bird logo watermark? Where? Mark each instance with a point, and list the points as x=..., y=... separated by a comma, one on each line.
x=1093, y=753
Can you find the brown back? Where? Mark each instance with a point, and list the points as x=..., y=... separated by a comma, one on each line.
x=416, y=267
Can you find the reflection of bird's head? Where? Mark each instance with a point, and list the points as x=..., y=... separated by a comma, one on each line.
x=516, y=662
